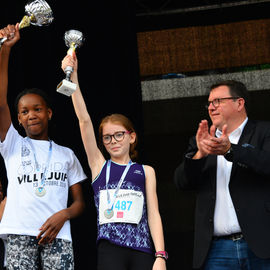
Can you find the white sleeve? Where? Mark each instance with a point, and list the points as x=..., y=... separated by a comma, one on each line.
x=7, y=146
x=75, y=172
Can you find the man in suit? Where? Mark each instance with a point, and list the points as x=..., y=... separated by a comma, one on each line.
x=229, y=166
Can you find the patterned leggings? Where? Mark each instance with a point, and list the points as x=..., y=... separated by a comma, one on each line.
x=24, y=253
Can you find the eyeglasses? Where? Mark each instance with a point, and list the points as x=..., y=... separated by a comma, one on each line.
x=118, y=136
x=216, y=102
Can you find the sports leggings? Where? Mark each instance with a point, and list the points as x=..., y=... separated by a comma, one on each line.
x=112, y=256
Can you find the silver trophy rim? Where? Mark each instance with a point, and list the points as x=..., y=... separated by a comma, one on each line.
x=74, y=36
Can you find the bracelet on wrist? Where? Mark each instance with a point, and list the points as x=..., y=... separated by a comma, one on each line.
x=162, y=254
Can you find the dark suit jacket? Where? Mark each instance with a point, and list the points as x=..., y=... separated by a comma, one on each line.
x=249, y=188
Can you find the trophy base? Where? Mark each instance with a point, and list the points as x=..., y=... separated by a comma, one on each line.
x=66, y=87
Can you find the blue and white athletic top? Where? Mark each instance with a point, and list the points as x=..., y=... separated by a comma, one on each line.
x=128, y=225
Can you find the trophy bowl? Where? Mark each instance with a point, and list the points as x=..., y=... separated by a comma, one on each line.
x=38, y=12
x=73, y=38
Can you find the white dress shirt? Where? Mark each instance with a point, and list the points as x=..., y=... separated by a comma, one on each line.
x=225, y=218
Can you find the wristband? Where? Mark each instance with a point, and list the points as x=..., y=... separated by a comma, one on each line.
x=162, y=254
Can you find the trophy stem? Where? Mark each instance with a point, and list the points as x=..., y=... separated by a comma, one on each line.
x=26, y=21
x=68, y=72
x=71, y=49
x=2, y=40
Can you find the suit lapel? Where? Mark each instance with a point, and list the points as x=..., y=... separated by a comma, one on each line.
x=245, y=138
x=247, y=133
x=212, y=163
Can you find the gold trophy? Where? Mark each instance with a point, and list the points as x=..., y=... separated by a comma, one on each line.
x=73, y=40
x=38, y=12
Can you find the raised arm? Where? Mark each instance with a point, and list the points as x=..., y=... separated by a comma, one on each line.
x=94, y=156
x=13, y=35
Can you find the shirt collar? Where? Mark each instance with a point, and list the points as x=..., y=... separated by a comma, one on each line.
x=236, y=133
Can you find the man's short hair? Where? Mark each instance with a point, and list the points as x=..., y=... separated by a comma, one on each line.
x=236, y=88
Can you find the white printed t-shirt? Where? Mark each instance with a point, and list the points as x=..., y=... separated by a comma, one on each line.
x=25, y=212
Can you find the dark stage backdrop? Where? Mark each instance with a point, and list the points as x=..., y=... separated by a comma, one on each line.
x=108, y=74
x=110, y=81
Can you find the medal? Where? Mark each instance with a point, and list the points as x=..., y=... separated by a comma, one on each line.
x=40, y=191
x=111, y=202
x=108, y=213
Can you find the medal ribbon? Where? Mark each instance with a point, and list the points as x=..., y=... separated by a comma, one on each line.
x=42, y=182
x=108, y=169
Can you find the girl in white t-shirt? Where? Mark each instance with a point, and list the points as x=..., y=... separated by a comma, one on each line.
x=40, y=174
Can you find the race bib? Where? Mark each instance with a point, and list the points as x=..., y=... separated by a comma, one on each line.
x=127, y=207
